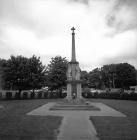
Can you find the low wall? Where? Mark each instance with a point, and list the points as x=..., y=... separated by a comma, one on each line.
x=25, y=94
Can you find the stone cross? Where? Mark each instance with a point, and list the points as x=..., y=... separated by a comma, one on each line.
x=73, y=29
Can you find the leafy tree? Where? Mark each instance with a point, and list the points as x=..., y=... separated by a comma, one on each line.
x=109, y=75
x=15, y=73
x=3, y=64
x=120, y=75
x=85, y=78
x=136, y=75
x=36, y=73
x=126, y=75
x=95, y=78
x=24, y=73
x=57, y=73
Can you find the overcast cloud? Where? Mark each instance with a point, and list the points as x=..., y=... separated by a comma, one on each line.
x=106, y=30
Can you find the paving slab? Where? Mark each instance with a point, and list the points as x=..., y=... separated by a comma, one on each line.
x=76, y=127
x=104, y=111
x=76, y=124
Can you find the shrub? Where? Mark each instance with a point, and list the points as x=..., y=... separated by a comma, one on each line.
x=0, y=95
x=40, y=94
x=110, y=95
x=63, y=95
x=46, y=95
x=9, y=95
x=131, y=96
x=32, y=95
x=25, y=95
x=87, y=94
x=17, y=95
x=54, y=95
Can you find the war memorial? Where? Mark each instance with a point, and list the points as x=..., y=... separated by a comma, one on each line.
x=73, y=73
x=76, y=111
x=75, y=118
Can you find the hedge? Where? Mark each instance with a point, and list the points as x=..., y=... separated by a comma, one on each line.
x=113, y=95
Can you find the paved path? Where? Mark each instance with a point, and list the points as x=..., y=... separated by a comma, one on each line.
x=77, y=127
x=104, y=111
x=76, y=124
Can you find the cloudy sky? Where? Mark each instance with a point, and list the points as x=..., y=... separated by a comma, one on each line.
x=106, y=30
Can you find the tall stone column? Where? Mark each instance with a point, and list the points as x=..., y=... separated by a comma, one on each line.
x=73, y=57
x=73, y=73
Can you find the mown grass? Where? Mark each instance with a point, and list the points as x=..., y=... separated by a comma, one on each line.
x=16, y=125
x=117, y=128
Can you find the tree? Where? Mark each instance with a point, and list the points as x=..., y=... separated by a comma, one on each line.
x=95, y=78
x=85, y=78
x=24, y=73
x=15, y=74
x=57, y=73
x=109, y=75
x=136, y=76
x=37, y=72
x=120, y=75
x=3, y=64
x=126, y=74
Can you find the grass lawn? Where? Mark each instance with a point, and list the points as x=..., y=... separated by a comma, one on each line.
x=117, y=128
x=16, y=125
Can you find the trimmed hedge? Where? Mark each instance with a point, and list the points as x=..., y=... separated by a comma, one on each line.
x=17, y=95
x=32, y=95
x=8, y=95
x=39, y=94
x=25, y=95
x=111, y=95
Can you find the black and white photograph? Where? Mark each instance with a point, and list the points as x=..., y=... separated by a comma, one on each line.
x=68, y=69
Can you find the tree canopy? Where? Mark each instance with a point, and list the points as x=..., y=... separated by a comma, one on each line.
x=57, y=73
x=29, y=73
x=85, y=78
x=23, y=73
x=125, y=75
x=95, y=78
x=120, y=75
